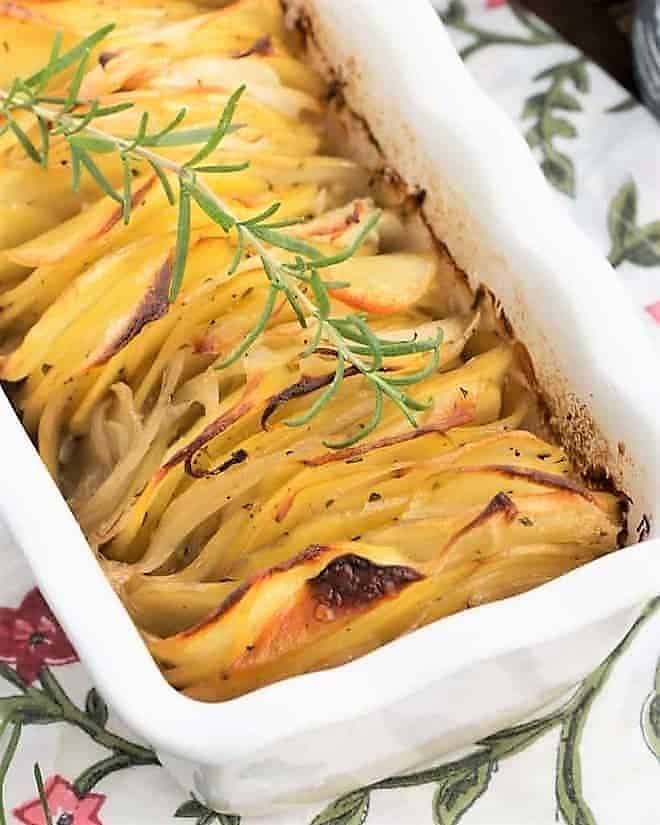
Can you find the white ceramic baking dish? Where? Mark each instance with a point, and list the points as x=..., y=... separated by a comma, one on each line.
x=316, y=736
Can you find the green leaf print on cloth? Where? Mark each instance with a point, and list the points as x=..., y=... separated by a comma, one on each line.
x=546, y=108
x=457, y=794
x=194, y=809
x=626, y=105
x=96, y=708
x=651, y=717
x=456, y=16
x=568, y=784
x=351, y=809
x=463, y=781
x=629, y=242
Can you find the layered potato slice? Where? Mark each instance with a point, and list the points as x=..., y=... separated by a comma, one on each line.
x=248, y=550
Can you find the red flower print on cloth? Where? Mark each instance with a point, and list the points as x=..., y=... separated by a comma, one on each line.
x=654, y=311
x=30, y=637
x=493, y=4
x=64, y=805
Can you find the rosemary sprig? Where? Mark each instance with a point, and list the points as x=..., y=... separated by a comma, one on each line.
x=298, y=281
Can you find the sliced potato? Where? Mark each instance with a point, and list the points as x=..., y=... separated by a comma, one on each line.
x=384, y=285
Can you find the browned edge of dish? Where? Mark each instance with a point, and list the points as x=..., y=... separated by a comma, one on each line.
x=561, y=414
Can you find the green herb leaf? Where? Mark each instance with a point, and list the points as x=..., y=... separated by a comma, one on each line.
x=182, y=241
x=29, y=148
x=184, y=137
x=294, y=303
x=76, y=82
x=420, y=375
x=141, y=134
x=212, y=208
x=52, y=58
x=270, y=268
x=45, y=141
x=290, y=244
x=68, y=58
x=240, y=249
x=223, y=169
x=98, y=176
x=262, y=216
x=220, y=131
x=350, y=250
x=320, y=294
x=365, y=429
x=164, y=182
x=315, y=340
x=106, y=111
x=284, y=224
x=252, y=336
x=336, y=284
x=322, y=312
x=82, y=121
x=327, y=394
x=89, y=143
x=154, y=139
x=76, y=167
x=413, y=404
x=399, y=399
x=372, y=342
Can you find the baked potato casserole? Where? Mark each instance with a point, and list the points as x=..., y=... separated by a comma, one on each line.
x=248, y=550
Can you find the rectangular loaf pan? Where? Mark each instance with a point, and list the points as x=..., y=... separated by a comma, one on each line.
x=447, y=684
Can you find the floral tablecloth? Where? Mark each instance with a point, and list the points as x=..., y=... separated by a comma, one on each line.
x=596, y=759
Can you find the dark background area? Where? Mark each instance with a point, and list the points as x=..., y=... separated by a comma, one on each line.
x=598, y=27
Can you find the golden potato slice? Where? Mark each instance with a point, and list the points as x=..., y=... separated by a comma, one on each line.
x=384, y=284
x=287, y=606
x=164, y=608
